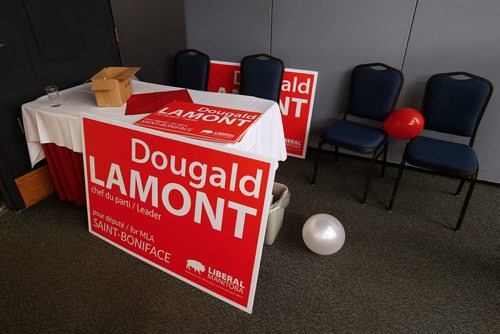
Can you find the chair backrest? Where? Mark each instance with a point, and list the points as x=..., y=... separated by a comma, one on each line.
x=191, y=69
x=374, y=91
x=261, y=76
x=455, y=102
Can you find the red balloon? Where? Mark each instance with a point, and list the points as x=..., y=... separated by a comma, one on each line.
x=404, y=123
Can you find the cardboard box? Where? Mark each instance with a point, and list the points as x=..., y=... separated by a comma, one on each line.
x=113, y=85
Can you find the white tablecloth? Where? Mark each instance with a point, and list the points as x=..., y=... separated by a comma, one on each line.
x=62, y=125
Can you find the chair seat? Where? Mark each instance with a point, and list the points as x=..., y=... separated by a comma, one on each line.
x=441, y=155
x=354, y=136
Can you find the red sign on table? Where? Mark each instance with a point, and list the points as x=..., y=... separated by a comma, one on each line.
x=201, y=121
x=150, y=102
x=195, y=210
x=296, y=100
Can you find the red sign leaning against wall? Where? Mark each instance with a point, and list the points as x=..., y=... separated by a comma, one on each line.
x=296, y=100
x=195, y=210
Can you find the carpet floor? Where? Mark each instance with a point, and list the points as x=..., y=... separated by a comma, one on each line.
x=399, y=271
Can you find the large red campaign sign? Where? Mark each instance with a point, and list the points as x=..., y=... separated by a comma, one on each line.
x=296, y=100
x=194, y=209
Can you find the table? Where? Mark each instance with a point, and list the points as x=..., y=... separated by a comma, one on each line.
x=55, y=132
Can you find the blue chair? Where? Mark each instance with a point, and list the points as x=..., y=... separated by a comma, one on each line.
x=453, y=103
x=261, y=76
x=191, y=69
x=373, y=94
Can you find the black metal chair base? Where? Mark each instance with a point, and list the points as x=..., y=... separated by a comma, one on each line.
x=375, y=156
x=473, y=179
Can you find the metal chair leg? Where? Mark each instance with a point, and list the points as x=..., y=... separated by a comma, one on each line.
x=396, y=184
x=460, y=186
x=316, y=164
x=466, y=202
x=369, y=178
x=386, y=146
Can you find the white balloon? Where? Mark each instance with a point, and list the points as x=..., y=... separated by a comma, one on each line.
x=323, y=234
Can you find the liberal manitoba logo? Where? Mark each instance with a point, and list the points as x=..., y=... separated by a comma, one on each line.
x=215, y=276
x=225, y=280
x=198, y=267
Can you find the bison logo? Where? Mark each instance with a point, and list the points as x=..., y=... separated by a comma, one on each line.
x=196, y=266
x=208, y=132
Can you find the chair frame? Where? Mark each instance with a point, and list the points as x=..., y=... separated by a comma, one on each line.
x=270, y=58
x=199, y=53
x=382, y=148
x=472, y=178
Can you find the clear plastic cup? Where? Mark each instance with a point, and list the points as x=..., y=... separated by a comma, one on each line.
x=53, y=94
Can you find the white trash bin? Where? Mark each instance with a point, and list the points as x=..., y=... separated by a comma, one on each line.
x=281, y=199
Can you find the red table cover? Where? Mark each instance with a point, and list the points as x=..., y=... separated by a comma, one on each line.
x=66, y=169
